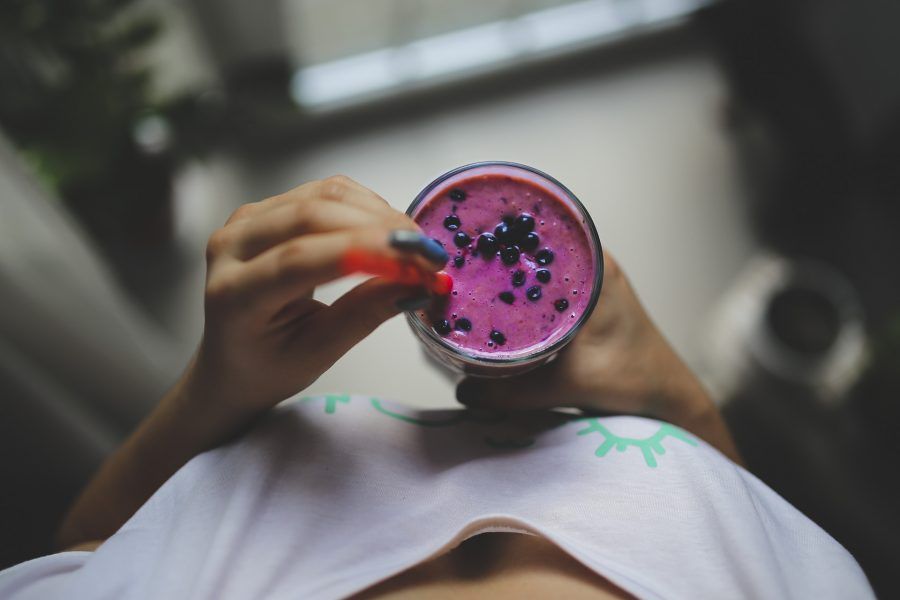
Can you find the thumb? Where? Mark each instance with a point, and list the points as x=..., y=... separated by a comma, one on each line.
x=534, y=390
x=359, y=312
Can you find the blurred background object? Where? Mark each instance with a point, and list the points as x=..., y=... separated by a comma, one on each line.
x=78, y=100
x=815, y=114
x=739, y=157
x=79, y=363
x=795, y=321
x=344, y=56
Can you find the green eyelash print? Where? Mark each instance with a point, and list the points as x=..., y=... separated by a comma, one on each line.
x=495, y=443
x=462, y=415
x=376, y=403
x=648, y=446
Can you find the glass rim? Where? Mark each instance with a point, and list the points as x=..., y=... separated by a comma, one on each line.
x=429, y=333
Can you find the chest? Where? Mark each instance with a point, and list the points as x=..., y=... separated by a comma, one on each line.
x=498, y=565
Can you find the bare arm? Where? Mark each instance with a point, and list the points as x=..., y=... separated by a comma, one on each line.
x=184, y=424
x=265, y=337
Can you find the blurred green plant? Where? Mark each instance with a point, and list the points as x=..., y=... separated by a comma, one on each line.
x=74, y=87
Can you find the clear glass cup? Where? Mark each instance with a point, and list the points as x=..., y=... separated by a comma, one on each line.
x=457, y=358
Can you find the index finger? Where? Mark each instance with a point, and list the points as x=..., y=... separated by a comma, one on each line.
x=296, y=267
x=339, y=189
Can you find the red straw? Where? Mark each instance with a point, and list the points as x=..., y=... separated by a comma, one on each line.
x=357, y=260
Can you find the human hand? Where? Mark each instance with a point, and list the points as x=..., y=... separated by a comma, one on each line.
x=619, y=362
x=265, y=337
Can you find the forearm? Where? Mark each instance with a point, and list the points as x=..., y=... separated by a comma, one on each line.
x=710, y=426
x=190, y=419
x=687, y=404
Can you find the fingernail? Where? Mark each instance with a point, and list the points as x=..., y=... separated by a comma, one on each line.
x=413, y=241
x=413, y=303
x=433, y=251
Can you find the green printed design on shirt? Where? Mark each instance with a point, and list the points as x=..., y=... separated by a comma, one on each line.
x=459, y=417
x=648, y=446
x=456, y=419
x=423, y=422
x=331, y=401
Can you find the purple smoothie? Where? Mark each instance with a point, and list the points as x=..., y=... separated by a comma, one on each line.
x=522, y=264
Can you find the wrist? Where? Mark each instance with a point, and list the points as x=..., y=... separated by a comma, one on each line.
x=217, y=409
x=689, y=406
x=210, y=384
x=679, y=397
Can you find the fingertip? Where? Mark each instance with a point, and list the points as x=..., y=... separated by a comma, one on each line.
x=468, y=392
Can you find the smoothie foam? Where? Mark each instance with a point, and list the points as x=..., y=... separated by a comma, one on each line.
x=524, y=288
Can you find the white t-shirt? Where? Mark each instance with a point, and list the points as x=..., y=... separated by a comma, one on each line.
x=330, y=495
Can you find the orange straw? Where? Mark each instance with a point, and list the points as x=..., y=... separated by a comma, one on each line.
x=357, y=260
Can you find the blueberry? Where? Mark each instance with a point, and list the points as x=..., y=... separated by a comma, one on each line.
x=561, y=304
x=530, y=241
x=508, y=219
x=534, y=293
x=452, y=222
x=498, y=337
x=507, y=297
x=488, y=244
x=504, y=233
x=457, y=195
x=524, y=223
x=543, y=275
x=544, y=257
x=442, y=326
x=464, y=324
x=461, y=239
x=458, y=262
x=518, y=279
x=509, y=255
